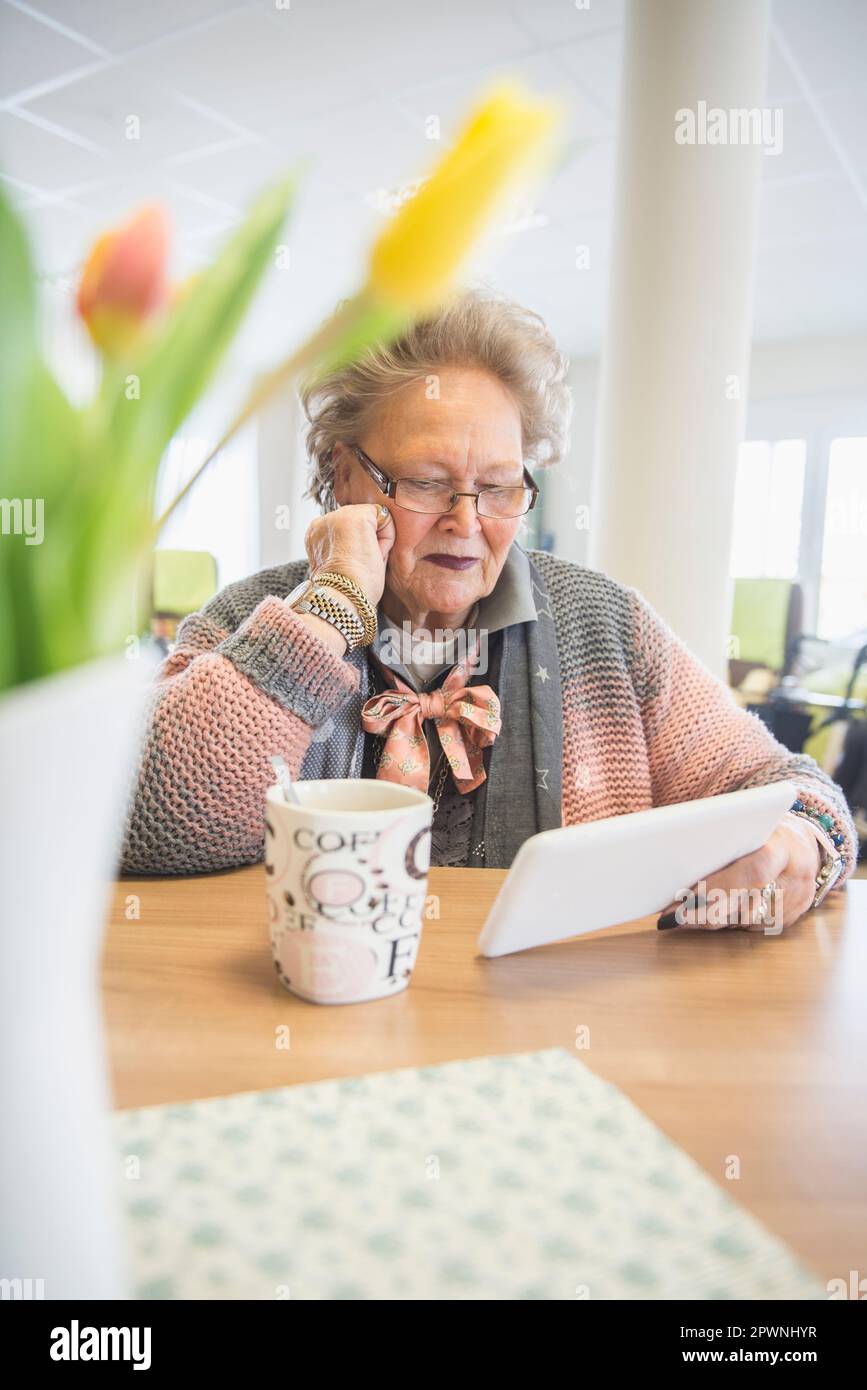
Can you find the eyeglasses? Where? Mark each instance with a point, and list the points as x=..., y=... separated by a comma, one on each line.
x=427, y=495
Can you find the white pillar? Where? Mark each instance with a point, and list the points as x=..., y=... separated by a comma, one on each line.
x=676, y=352
x=568, y=486
x=284, y=515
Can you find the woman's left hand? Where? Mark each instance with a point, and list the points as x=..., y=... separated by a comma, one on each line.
x=791, y=858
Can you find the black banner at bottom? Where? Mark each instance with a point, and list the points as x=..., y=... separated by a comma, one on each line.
x=158, y=1339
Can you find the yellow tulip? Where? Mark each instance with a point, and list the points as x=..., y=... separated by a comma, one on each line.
x=414, y=263
x=415, y=260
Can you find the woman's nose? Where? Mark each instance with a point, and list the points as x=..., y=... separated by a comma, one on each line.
x=463, y=517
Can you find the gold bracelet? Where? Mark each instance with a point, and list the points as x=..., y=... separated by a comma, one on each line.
x=345, y=620
x=343, y=585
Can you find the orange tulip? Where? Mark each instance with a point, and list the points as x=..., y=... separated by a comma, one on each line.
x=124, y=283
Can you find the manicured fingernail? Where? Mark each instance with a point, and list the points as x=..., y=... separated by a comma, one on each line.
x=669, y=920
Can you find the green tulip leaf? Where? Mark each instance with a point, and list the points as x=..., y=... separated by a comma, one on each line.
x=178, y=364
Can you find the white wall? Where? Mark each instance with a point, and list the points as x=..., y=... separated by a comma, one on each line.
x=802, y=386
x=809, y=367
x=568, y=486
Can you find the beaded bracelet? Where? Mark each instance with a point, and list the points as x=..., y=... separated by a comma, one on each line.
x=822, y=818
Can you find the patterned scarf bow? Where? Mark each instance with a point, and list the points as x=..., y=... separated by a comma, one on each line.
x=467, y=719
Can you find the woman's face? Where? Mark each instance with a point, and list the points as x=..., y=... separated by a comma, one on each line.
x=467, y=432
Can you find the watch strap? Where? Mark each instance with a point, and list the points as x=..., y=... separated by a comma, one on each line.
x=356, y=595
x=331, y=610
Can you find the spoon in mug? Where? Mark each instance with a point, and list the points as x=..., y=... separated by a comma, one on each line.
x=284, y=777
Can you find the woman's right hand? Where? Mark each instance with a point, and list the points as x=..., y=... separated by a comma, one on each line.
x=354, y=541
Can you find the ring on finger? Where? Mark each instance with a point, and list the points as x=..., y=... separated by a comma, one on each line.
x=766, y=897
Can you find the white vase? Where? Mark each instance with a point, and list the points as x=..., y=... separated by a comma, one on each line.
x=67, y=747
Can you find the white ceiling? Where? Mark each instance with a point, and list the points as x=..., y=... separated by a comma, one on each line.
x=228, y=94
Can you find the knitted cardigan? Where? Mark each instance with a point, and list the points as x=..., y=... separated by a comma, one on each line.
x=645, y=723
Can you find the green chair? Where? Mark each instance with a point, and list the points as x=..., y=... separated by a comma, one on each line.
x=835, y=681
x=183, y=580
x=825, y=687
x=766, y=624
x=839, y=690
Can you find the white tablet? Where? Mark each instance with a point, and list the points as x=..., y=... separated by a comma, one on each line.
x=567, y=882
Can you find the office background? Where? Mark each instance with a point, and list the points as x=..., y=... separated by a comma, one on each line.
x=198, y=103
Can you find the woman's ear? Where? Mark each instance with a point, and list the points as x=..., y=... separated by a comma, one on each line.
x=340, y=477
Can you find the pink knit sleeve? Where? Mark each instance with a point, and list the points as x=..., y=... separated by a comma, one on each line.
x=700, y=742
x=224, y=702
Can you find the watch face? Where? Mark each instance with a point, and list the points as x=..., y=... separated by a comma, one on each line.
x=298, y=592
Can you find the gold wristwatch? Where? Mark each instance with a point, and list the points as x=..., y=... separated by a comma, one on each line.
x=310, y=597
x=357, y=597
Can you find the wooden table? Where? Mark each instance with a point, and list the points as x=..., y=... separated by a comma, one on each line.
x=735, y=1044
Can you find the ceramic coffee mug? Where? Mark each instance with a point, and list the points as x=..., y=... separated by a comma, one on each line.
x=347, y=879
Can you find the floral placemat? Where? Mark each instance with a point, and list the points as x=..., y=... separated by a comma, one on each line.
x=518, y=1177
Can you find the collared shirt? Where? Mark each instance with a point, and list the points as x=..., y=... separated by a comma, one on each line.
x=510, y=601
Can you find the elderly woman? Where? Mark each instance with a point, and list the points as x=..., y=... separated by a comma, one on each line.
x=420, y=642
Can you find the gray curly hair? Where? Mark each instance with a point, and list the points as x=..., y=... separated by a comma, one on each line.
x=477, y=328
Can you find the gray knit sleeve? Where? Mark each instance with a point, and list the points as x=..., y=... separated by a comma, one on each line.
x=224, y=702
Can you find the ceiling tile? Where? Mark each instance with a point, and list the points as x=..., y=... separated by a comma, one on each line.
x=527, y=246
x=585, y=185
x=60, y=237
x=805, y=291
x=310, y=59
x=120, y=26
x=805, y=148
x=114, y=199
x=378, y=155
x=450, y=100
x=828, y=41
x=552, y=21
x=39, y=157
x=128, y=113
x=278, y=79
x=589, y=245
x=821, y=210
x=782, y=85
x=289, y=306
x=847, y=112
x=31, y=52
x=230, y=93
x=574, y=311
x=595, y=63
x=194, y=250
x=385, y=45
x=233, y=175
